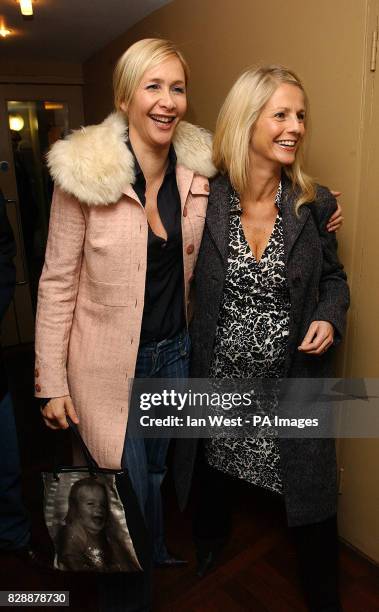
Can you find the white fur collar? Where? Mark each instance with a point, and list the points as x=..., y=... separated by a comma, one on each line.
x=94, y=164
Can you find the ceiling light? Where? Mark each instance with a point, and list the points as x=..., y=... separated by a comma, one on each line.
x=4, y=32
x=26, y=7
x=16, y=123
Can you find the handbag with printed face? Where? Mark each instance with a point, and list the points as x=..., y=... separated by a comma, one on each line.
x=93, y=518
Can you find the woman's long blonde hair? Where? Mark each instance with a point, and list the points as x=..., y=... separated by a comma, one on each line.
x=236, y=121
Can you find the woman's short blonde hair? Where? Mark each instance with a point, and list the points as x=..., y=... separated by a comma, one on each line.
x=141, y=56
x=236, y=121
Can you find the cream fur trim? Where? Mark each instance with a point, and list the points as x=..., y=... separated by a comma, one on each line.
x=96, y=166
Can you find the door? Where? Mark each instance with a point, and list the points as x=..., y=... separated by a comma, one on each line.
x=32, y=118
x=359, y=458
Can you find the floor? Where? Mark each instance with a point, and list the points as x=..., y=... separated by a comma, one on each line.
x=257, y=570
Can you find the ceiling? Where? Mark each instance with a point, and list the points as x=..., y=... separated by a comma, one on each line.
x=68, y=30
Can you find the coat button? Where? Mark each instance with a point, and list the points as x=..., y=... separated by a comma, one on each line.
x=37, y=388
x=185, y=211
x=36, y=373
x=190, y=249
x=206, y=187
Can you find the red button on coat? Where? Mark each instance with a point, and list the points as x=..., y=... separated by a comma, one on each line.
x=185, y=211
x=38, y=388
x=36, y=373
x=190, y=249
x=206, y=187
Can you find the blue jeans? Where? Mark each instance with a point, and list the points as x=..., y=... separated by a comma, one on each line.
x=14, y=520
x=146, y=459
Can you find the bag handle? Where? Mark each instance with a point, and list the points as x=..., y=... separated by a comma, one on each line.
x=91, y=463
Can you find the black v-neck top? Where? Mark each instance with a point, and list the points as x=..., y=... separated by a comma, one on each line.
x=163, y=314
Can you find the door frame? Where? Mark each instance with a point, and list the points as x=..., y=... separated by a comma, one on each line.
x=18, y=323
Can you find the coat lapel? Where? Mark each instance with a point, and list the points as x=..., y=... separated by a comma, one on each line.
x=184, y=177
x=129, y=191
x=218, y=215
x=292, y=223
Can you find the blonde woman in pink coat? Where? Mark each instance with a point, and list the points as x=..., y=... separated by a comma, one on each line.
x=126, y=222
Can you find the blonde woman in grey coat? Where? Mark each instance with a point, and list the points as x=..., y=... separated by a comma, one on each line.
x=271, y=303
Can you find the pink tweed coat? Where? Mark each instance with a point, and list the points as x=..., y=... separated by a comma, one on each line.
x=91, y=292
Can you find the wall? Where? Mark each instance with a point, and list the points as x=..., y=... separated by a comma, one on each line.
x=43, y=71
x=327, y=44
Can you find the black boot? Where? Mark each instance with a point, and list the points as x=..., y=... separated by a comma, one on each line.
x=317, y=552
x=213, y=517
x=208, y=552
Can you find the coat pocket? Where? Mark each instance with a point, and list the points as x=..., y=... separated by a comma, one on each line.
x=105, y=293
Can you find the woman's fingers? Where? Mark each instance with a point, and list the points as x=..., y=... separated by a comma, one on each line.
x=335, y=225
x=70, y=410
x=322, y=348
x=52, y=412
x=309, y=337
x=49, y=422
x=55, y=412
x=336, y=220
x=318, y=338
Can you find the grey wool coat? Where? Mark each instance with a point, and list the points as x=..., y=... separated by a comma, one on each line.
x=318, y=291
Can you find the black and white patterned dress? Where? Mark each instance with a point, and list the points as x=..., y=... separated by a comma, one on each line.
x=251, y=342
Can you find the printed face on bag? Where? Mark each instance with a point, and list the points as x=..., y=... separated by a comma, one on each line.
x=92, y=508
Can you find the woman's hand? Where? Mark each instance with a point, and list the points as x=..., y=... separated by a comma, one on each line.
x=55, y=411
x=318, y=338
x=336, y=220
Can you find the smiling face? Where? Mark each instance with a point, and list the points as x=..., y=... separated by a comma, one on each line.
x=280, y=128
x=158, y=104
x=92, y=508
